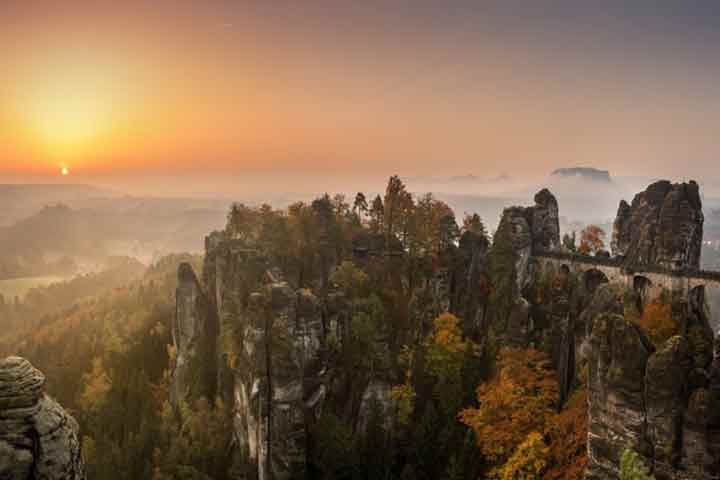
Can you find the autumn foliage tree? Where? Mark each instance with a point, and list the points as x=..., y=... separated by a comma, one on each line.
x=513, y=408
x=567, y=431
x=657, y=322
x=591, y=240
x=445, y=352
x=518, y=427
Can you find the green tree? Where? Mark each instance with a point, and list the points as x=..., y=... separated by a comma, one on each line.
x=568, y=242
x=449, y=231
x=377, y=214
x=334, y=448
x=503, y=276
x=351, y=280
x=473, y=223
x=632, y=466
x=360, y=205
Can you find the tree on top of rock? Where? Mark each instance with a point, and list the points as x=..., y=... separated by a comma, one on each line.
x=473, y=223
x=397, y=204
x=377, y=214
x=360, y=205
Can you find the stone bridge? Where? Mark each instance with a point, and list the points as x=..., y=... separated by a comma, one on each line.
x=650, y=280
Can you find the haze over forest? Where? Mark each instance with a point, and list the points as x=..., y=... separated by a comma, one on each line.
x=359, y=240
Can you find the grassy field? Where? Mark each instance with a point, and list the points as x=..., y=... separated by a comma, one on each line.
x=20, y=286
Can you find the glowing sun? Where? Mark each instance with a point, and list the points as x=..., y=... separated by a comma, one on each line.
x=64, y=171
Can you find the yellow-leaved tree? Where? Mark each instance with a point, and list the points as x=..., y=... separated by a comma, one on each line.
x=513, y=414
x=528, y=462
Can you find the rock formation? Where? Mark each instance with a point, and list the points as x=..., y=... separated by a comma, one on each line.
x=545, y=222
x=267, y=347
x=38, y=439
x=663, y=226
x=270, y=346
x=194, y=333
x=617, y=359
x=469, y=281
x=657, y=399
x=649, y=400
x=532, y=229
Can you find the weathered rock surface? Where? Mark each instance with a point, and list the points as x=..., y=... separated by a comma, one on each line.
x=532, y=229
x=616, y=411
x=646, y=399
x=665, y=384
x=268, y=351
x=545, y=222
x=194, y=333
x=38, y=439
x=469, y=282
x=663, y=226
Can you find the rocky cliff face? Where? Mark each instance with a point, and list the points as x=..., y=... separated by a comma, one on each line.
x=468, y=281
x=656, y=401
x=270, y=345
x=662, y=226
x=38, y=439
x=533, y=229
x=194, y=331
x=268, y=349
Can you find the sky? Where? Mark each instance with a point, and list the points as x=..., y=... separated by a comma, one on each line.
x=179, y=89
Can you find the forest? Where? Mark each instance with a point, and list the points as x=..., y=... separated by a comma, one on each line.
x=468, y=399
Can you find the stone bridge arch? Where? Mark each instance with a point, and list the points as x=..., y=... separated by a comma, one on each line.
x=592, y=278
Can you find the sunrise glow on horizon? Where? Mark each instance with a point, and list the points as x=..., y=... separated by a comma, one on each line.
x=185, y=86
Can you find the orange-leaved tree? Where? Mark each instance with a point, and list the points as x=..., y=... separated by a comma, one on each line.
x=657, y=322
x=514, y=408
x=567, y=431
x=591, y=239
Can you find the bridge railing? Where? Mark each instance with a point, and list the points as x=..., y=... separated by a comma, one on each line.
x=580, y=258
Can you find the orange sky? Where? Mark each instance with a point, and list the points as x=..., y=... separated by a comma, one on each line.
x=433, y=88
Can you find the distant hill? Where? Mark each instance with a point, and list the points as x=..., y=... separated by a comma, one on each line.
x=583, y=172
x=59, y=238
x=22, y=200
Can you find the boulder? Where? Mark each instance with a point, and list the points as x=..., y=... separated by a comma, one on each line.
x=38, y=439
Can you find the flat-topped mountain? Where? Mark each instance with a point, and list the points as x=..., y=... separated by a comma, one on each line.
x=588, y=173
